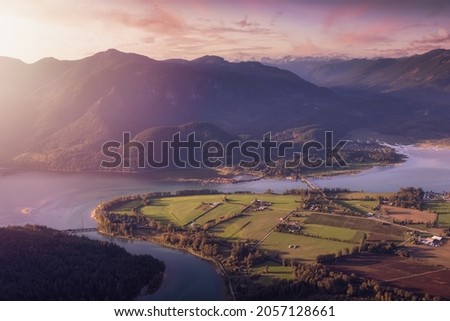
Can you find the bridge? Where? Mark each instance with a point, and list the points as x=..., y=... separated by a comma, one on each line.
x=79, y=230
x=313, y=187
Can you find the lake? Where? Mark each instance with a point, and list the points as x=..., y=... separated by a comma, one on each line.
x=66, y=200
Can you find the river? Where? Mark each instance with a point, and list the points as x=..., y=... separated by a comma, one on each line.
x=66, y=200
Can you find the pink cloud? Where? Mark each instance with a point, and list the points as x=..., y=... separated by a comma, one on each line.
x=344, y=12
x=381, y=31
x=246, y=23
x=440, y=36
x=155, y=18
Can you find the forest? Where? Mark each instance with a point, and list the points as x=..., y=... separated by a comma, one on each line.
x=39, y=263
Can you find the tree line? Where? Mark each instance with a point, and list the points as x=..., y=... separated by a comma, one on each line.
x=318, y=282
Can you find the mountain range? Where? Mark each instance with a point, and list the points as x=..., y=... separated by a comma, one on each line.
x=57, y=114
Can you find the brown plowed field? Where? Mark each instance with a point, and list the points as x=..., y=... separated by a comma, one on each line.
x=407, y=214
x=405, y=273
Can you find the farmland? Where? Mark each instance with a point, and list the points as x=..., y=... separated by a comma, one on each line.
x=306, y=248
x=385, y=231
x=179, y=210
x=271, y=270
x=265, y=235
x=443, y=211
x=360, y=202
x=408, y=214
x=252, y=226
x=339, y=233
x=401, y=272
x=126, y=208
x=232, y=217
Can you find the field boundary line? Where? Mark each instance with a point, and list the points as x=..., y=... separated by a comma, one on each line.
x=415, y=275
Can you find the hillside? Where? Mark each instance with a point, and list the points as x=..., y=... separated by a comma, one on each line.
x=57, y=114
x=429, y=71
x=54, y=111
x=402, y=100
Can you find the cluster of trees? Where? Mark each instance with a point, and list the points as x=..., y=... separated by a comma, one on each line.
x=352, y=153
x=124, y=224
x=200, y=242
x=384, y=248
x=335, y=190
x=370, y=153
x=187, y=192
x=409, y=197
x=243, y=255
x=372, y=248
x=297, y=191
x=317, y=282
x=38, y=263
x=144, y=198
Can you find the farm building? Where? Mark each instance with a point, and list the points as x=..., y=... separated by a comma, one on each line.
x=434, y=241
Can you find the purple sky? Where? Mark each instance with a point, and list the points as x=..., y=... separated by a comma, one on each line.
x=245, y=29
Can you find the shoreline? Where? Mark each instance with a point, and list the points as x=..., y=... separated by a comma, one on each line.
x=220, y=270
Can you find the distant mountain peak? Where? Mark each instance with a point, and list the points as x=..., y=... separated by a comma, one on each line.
x=110, y=53
x=7, y=60
x=210, y=60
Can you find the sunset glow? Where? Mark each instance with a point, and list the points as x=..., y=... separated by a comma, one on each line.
x=72, y=29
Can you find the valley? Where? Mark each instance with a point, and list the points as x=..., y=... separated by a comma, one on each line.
x=260, y=238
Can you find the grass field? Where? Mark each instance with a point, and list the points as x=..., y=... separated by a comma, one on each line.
x=308, y=247
x=356, y=201
x=179, y=210
x=279, y=202
x=252, y=225
x=388, y=232
x=339, y=233
x=443, y=211
x=275, y=271
x=126, y=208
x=359, y=206
x=223, y=210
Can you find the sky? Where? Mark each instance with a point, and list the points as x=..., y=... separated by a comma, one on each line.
x=236, y=30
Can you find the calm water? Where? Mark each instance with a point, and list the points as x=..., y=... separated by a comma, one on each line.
x=426, y=168
x=62, y=201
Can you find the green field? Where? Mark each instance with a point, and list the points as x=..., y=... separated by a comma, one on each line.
x=223, y=210
x=386, y=231
x=345, y=231
x=359, y=206
x=442, y=209
x=252, y=225
x=279, y=202
x=126, y=208
x=179, y=210
x=343, y=234
x=275, y=271
x=356, y=201
x=308, y=247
